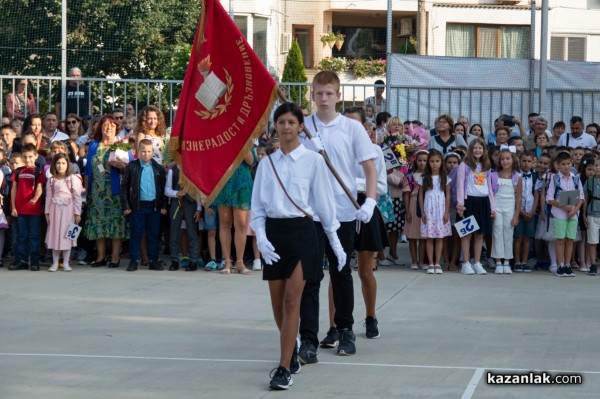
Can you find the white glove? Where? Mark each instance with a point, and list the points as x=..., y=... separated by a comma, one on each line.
x=338, y=250
x=266, y=248
x=317, y=143
x=365, y=212
x=267, y=251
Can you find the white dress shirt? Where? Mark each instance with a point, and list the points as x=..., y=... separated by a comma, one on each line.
x=303, y=173
x=169, y=192
x=345, y=144
x=382, y=184
x=59, y=136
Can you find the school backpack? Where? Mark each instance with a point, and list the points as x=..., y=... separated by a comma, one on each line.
x=494, y=177
x=38, y=172
x=557, y=190
x=591, y=193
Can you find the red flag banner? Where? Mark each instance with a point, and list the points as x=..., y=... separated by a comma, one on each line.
x=225, y=103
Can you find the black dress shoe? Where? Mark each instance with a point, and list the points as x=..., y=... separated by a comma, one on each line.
x=34, y=267
x=174, y=266
x=133, y=266
x=99, y=264
x=113, y=265
x=18, y=265
x=155, y=265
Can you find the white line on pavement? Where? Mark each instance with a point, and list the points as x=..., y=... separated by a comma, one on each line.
x=470, y=390
x=216, y=360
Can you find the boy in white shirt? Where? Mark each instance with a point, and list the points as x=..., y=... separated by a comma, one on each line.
x=345, y=143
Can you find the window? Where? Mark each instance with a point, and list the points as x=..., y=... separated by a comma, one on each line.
x=361, y=42
x=259, y=38
x=242, y=22
x=564, y=48
x=304, y=35
x=490, y=41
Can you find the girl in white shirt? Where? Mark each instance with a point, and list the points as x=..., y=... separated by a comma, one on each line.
x=291, y=187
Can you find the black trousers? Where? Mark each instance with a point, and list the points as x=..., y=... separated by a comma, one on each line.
x=342, y=284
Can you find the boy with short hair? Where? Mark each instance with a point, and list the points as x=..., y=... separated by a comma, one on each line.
x=578, y=153
x=25, y=199
x=591, y=215
x=564, y=217
x=346, y=145
x=142, y=198
x=525, y=230
x=183, y=207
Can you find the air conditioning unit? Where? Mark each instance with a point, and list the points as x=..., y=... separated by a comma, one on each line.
x=405, y=27
x=285, y=43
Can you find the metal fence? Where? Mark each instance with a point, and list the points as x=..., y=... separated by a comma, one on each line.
x=105, y=94
x=481, y=105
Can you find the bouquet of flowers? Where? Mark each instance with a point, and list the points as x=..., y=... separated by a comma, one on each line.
x=119, y=150
x=404, y=147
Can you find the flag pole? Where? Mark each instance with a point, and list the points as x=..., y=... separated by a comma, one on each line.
x=284, y=99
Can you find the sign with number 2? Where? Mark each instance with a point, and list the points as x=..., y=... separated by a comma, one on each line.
x=390, y=159
x=466, y=226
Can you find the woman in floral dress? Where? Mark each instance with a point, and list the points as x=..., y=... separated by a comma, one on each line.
x=105, y=220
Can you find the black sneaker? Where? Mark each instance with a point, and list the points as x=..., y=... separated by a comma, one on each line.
x=174, y=266
x=155, y=265
x=346, y=346
x=371, y=325
x=35, y=267
x=560, y=272
x=280, y=378
x=133, y=265
x=332, y=339
x=569, y=272
x=307, y=353
x=18, y=265
x=593, y=271
x=295, y=363
x=526, y=268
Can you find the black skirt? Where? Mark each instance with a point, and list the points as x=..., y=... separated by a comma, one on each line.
x=481, y=209
x=371, y=236
x=295, y=240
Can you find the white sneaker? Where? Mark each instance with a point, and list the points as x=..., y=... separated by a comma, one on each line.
x=430, y=270
x=584, y=268
x=553, y=269
x=385, y=262
x=53, y=268
x=479, y=269
x=256, y=265
x=398, y=262
x=499, y=269
x=438, y=269
x=507, y=269
x=403, y=238
x=467, y=269
x=67, y=268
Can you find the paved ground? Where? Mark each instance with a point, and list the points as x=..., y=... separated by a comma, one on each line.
x=111, y=334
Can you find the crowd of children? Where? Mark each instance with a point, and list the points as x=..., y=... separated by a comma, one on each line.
x=512, y=195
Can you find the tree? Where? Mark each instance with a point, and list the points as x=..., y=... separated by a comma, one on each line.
x=128, y=38
x=293, y=71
